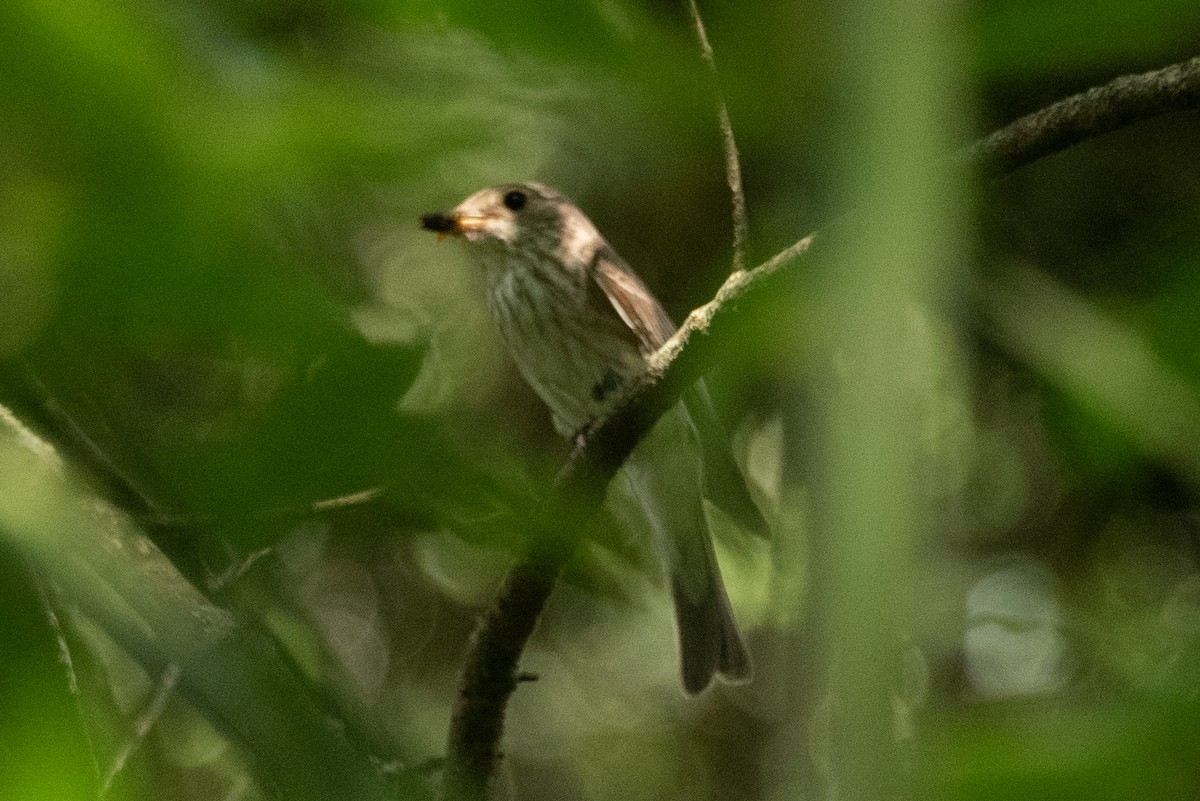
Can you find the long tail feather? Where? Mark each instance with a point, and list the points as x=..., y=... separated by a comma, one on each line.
x=665, y=478
x=709, y=642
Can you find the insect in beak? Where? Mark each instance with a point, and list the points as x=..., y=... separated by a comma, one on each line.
x=453, y=223
x=443, y=224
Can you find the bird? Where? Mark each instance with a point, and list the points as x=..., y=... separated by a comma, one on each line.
x=580, y=326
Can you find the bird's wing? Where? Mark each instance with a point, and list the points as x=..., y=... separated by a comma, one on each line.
x=723, y=482
x=721, y=477
x=640, y=310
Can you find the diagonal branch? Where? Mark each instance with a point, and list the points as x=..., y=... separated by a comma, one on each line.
x=1126, y=100
x=490, y=673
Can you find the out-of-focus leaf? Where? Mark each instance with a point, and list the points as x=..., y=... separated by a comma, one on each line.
x=47, y=756
x=1024, y=36
x=95, y=560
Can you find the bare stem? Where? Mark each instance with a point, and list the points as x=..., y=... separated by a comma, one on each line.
x=733, y=165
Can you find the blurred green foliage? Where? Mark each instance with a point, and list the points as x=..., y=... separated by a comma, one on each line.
x=280, y=405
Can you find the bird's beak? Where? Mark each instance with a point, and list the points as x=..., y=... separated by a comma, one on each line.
x=452, y=223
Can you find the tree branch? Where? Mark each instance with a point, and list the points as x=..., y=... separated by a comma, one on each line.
x=1126, y=100
x=490, y=675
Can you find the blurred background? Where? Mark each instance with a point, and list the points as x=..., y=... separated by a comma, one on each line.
x=265, y=462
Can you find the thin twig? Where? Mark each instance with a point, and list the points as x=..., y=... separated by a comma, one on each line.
x=145, y=721
x=64, y=648
x=733, y=164
x=489, y=675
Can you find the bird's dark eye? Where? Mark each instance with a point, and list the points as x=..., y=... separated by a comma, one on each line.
x=515, y=200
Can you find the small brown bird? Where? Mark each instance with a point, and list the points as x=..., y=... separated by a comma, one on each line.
x=580, y=325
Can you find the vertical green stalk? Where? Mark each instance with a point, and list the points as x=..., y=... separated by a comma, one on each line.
x=99, y=564
x=886, y=277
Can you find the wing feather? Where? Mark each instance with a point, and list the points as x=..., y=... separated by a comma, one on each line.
x=640, y=310
x=723, y=481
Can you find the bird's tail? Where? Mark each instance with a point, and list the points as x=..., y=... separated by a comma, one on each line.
x=709, y=641
x=664, y=475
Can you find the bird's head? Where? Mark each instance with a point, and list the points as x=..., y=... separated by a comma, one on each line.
x=525, y=218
